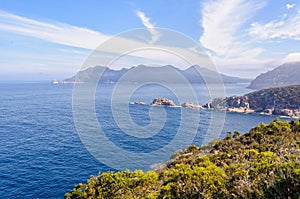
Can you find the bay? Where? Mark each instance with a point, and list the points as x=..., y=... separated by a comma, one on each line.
x=42, y=155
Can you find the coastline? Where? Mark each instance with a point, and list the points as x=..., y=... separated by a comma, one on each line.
x=241, y=110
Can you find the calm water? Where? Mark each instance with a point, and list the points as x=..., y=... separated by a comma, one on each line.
x=42, y=155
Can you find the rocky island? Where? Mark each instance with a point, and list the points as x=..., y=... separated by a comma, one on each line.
x=191, y=105
x=139, y=102
x=162, y=102
x=283, y=101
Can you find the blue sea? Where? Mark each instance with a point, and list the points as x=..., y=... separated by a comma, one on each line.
x=44, y=151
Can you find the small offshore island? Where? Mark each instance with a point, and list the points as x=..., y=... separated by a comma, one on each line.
x=263, y=163
x=169, y=103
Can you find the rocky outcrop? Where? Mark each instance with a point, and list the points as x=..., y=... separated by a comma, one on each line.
x=240, y=110
x=191, y=105
x=139, y=102
x=162, y=102
x=208, y=105
x=239, y=104
x=287, y=112
x=274, y=101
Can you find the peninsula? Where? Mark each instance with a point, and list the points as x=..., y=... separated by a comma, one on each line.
x=283, y=101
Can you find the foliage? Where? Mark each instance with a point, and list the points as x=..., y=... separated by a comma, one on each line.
x=263, y=163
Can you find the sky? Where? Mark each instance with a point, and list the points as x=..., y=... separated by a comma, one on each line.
x=44, y=40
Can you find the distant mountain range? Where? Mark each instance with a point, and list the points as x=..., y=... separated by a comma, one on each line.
x=284, y=75
x=142, y=73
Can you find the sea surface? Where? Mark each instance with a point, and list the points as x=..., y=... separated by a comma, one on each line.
x=41, y=151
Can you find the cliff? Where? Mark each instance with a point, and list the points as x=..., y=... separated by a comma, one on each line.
x=277, y=101
x=285, y=75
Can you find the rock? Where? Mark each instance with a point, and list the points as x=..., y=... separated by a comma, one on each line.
x=191, y=105
x=240, y=110
x=296, y=113
x=267, y=111
x=162, y=102
x=287, y=112
x=55, y=82
x=208, y=106
x=249, y=110
x=139, y=102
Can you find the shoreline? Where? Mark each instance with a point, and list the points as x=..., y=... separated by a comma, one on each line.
x=229, y=109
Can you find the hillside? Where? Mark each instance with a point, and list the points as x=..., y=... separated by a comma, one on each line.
x=285, y=75
x=141, y=73
x=264, y=163
x=277, y=101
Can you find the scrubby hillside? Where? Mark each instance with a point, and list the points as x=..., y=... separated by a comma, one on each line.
x=264, y=163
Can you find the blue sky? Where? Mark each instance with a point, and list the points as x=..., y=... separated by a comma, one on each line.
x=51, y=39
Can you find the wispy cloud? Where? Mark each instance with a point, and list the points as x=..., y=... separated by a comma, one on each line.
x=65, y=34
x=286, y=28
x=146, y=22
x=231, y=47
x=290, y=5
x=51, y=31
x=68, y=59
x=222, y=21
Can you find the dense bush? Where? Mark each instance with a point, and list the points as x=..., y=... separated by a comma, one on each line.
x=263, y=163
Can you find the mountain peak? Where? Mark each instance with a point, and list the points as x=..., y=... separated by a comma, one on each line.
x=286, y=74
x=143, y=73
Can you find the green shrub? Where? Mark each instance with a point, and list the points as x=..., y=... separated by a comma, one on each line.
x=263, y=163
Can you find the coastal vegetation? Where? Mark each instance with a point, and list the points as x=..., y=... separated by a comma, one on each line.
x=263, y=163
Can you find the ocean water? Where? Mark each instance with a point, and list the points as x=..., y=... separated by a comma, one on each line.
x=42, y=154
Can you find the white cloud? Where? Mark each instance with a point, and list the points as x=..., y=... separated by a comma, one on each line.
x=146, y=22
x=231, y=47
x=222, y=21
x=290, y=5
x=287, y=28
x=54, y=32
x=292, y=57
